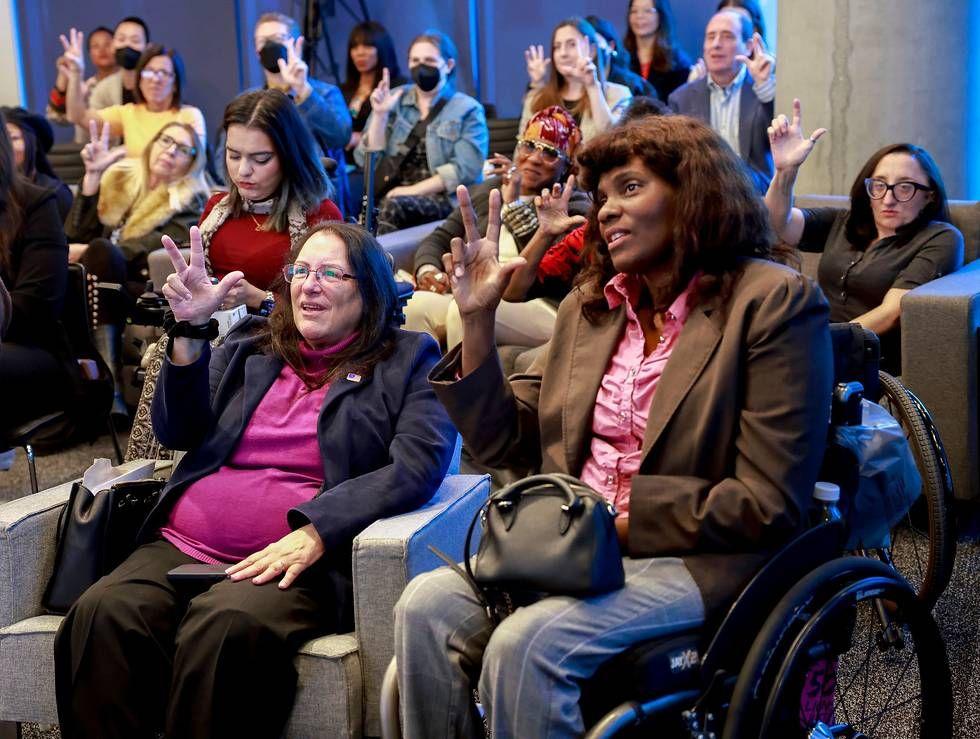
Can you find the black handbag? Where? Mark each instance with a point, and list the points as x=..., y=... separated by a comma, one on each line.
x=96, y=532
x=388, y=172
x=548, y=533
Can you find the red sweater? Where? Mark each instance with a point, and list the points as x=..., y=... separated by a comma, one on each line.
x=238, y=244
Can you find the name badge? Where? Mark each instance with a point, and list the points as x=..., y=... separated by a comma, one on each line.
x=354, y=377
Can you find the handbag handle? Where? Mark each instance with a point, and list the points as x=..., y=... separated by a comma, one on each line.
x=509, y=495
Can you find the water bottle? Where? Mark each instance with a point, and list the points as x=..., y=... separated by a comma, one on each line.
x=826, y=496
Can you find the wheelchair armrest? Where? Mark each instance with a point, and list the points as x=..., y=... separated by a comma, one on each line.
x=804, y=554
x=942, y=319
x=391, y=552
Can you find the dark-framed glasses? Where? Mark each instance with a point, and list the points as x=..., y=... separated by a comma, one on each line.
x=325, y=273
x=903, y=191
x=169, y=142
x=548, y=153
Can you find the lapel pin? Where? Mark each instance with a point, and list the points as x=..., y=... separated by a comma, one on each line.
x=354, y=377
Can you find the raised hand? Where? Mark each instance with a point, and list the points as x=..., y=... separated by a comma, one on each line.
x=189, y=290
x=759, y=62
x=97, y=154
x=789, y=147
x=585, y=70
x=537, y=64
x=383, y=99
x=293, y=69
x=74, y=57
x=698, y=70
x=510, y=176
x=475, y=274
x=552, y=207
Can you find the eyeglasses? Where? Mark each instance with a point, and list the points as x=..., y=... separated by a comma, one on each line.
x=168, y=143
x=903, y=191
x=643, y=11
x=157, y=74
x=549, y=153
x=324, y=273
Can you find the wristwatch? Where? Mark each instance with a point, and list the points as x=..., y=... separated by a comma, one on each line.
x=266, y=306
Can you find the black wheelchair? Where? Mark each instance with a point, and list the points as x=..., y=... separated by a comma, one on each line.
x=819, y=644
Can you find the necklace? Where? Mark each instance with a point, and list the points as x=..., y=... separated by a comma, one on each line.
x=258, y=226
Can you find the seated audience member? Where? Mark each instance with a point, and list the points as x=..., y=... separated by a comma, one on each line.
x=320, y=104
x=129, y=40
x=680, y=332
x=655, y=53
x=35, y=373
x=574, y=81
x=545, y=152
x=301, y=431
x=450, y=153
x=616, y=64
x=101, y=54
x=276, y=190
x=895, y=236
x=751, y=10
x=737, y=107
x=157, y=97
x=122, y=210
x=31, y=138
x=370, y=51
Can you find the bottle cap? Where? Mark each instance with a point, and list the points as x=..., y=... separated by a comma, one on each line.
x=827, y=492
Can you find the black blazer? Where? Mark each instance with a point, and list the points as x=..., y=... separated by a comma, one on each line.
x=385, y=440
x=754, y=117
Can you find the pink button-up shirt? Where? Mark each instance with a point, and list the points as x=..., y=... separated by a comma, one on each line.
x=626, y=393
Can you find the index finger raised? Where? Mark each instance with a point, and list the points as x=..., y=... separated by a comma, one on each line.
x=493, y=217
x=468, y=214
x=173, y=251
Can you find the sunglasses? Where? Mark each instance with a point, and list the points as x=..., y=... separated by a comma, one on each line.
x=549, y=153
x=323, y=274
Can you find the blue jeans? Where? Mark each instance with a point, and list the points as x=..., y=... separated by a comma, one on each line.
x=529, y=669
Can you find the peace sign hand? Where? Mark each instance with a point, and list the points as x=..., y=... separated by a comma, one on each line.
x=789, y=148
x=475, y=274
x=73, y=60
x=293, y=69
x=96, y=154
x=537, y=64
x=383, y=99
x=585, y=69
x=189, y=290
x=552, y=208
x=760, y=63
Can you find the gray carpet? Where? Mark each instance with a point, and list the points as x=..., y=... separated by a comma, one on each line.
x=958, y=612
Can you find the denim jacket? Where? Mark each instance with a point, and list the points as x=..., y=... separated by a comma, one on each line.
x=455, y=142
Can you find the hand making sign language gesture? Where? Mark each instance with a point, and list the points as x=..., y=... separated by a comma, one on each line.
x=189, y=290
x=384, y=99
x=585, y=71
x=789, y=147
x=552, y=209
x=537, y=65
x=759, y=61
x=72, y=61
x=293, y=69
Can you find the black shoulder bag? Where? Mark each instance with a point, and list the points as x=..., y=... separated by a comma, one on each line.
x=388, y=174
x=547, y=533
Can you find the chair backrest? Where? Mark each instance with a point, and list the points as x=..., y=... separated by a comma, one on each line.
x=503, y=134
x=965, y=215
x=66, y=161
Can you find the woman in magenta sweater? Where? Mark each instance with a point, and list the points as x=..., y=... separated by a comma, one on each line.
x=301, y=431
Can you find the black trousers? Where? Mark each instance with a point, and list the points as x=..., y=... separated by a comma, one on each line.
x=33, y=382
x=136, y=654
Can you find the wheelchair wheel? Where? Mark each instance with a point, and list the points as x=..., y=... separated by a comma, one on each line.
x=853, y=648
x=924, y=542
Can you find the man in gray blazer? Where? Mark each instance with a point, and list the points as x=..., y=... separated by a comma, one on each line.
x=738, y=108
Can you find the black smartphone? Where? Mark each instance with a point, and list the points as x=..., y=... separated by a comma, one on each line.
x=198, y=571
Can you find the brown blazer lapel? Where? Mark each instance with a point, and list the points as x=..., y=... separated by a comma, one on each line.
x=592, y=346
x=694, y=348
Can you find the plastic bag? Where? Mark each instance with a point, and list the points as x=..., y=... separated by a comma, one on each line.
x=888, y=480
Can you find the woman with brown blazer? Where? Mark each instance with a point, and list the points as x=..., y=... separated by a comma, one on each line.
x=688, y=381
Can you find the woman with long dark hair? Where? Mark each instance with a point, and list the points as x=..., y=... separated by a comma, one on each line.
x=451, y=152
x=370, y=51
x=34, y=361
x=688, y=382
x=573, y=78
x=895, y=236
x=31, y=138
x=655, y=53
x=302, y=431
x=277, y=189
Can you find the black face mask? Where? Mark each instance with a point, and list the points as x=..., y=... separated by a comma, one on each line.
x=270, y=54
x=127, y=57
x=426, y=77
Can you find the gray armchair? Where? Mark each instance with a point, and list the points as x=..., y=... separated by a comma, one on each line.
x=339, y=674
x=941, y=345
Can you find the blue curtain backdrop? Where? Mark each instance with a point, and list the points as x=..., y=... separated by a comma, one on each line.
x=215, y=38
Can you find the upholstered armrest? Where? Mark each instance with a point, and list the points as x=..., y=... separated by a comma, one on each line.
x=940, y=339
x=28, y=539
x=402, y=244
x=391, y=552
